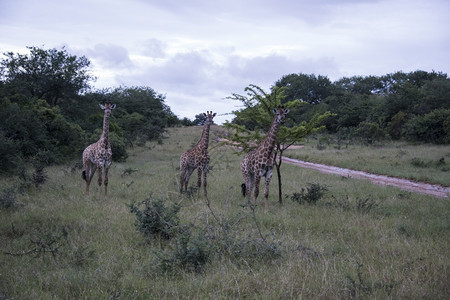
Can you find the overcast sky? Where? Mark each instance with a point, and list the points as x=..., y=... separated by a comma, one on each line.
x=198, y=52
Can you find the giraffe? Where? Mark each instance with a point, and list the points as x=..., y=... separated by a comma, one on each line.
x=98, y=155
x=197, y=158
x=259, y=162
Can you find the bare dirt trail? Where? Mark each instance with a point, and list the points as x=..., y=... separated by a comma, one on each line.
x=405, y=184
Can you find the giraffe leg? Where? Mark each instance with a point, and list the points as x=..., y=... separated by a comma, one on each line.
x=199, y=180
x=86, y=176
x=266, y=188
x=257, y=179
x=182, y=176
x=249, y=188
x=100, y=171
x=205, y=172
x=184, y=170
x=106, y=181
x=89, y=174
x=188, y=174
x=248, y=182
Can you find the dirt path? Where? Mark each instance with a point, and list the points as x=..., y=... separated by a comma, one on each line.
x=412, y=186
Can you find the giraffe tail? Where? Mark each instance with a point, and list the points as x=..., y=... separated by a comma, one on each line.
x=243, y=189
x=83, y=175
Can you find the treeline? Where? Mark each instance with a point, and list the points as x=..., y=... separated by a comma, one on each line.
x=48, y=112
x=410, y=106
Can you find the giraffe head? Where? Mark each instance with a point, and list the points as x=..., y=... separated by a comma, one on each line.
x=281, y=113
x=107, y=107
x=209, y=117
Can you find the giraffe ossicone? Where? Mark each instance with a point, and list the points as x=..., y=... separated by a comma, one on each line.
x=197, y=158
x=259, y=162
x=98, y=155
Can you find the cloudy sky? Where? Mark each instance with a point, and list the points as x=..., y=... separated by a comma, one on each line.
x=198, y=52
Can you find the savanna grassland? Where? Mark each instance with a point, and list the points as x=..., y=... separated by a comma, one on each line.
x=358, y=240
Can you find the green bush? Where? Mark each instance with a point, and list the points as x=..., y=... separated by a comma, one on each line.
x=369, y=132
x=155, y=219
x=310, y=195
x=190, y=252
x=8, y=199
x=431, y=128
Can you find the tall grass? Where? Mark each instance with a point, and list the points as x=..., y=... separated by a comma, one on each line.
x=358, y=241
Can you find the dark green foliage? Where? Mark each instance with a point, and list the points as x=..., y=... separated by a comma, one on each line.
x=433, y=127
x=369, y=132
x=310, y=195
x=53, y=75
x=141, y=114
x=395, y=126
x=155, y=219
x=308, y=88
x=22, y=131
x=199, y=119
x=8, y=199
x=118, y=147
x=186, y=122
x=190, y=252
x=405, y=105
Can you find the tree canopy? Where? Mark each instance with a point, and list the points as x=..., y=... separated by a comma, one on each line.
x=53, y=75
x=391, y=104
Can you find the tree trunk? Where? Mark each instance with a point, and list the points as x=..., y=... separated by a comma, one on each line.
x=278, y=166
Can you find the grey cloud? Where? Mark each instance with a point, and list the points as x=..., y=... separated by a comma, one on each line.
x=197, y=74
x=154, y=48
x=111, y=56
x=183, y=72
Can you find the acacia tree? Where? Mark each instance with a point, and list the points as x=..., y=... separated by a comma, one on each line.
x=255, y=118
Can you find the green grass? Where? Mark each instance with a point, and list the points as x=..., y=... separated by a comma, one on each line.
x=396, y=249
x=426, y=163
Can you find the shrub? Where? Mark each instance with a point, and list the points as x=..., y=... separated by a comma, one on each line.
x=8, y=199
x=310, y=195
x=369, y=132
x=431, y=128
x=190, y=252
x=156, y=220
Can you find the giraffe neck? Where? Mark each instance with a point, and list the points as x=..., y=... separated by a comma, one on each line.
x=105, y=134
x=269, y=141
x=204, y=140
